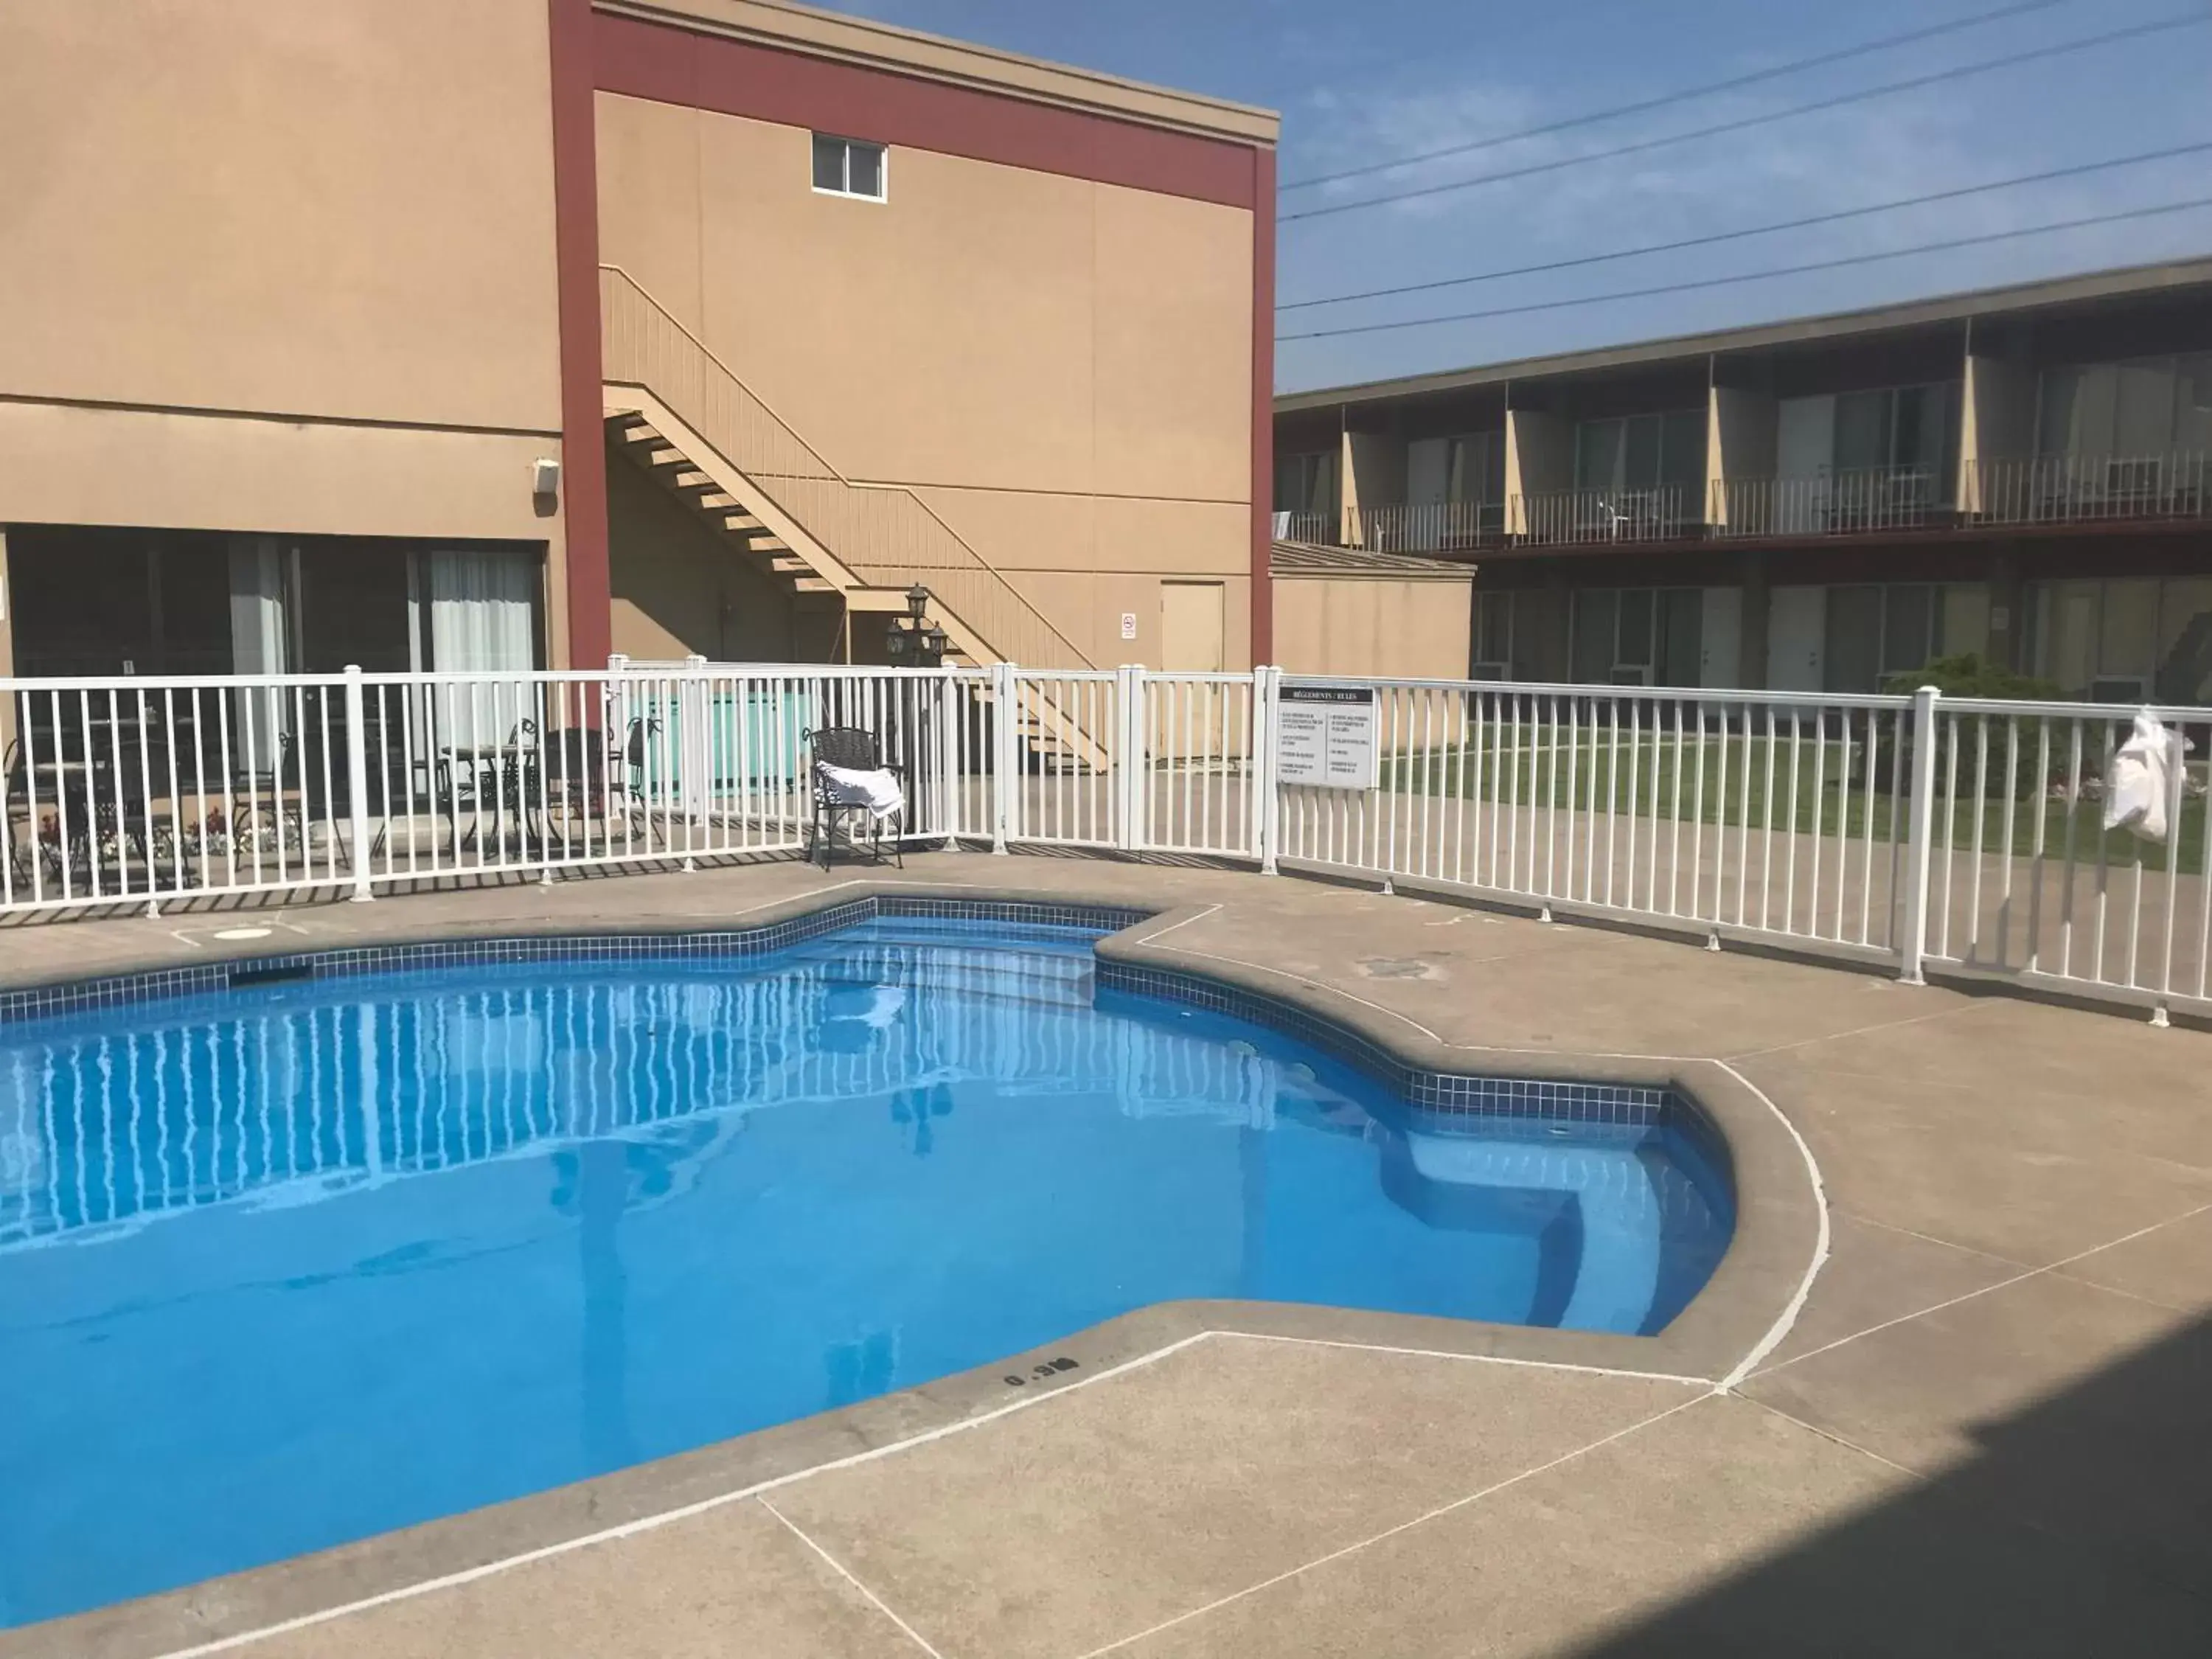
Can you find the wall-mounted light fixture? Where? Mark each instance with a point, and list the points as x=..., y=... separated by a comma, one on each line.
x=544, y=477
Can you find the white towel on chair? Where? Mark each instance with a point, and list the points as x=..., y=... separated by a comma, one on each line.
x=878, y=791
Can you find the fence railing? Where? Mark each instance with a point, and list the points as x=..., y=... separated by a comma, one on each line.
x=1566, y=516
x=1321, y=529
x=1829, y=503
x=1433, y=527
x=2087, y=489
x=1902, y=831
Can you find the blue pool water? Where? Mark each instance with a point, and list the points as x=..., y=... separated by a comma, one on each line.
x=291, y=1266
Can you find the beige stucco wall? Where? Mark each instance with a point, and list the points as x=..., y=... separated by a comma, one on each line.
x=279, y=267
x=1062, y=369
x=679, y=588
x=1410, y=629
x=343, y=208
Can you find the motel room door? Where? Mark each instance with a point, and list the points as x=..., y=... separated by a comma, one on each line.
x=1191, y=634
x=1797, y=632
x=1189, y=717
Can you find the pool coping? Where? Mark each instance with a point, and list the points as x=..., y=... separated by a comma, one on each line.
x=1779, y=1238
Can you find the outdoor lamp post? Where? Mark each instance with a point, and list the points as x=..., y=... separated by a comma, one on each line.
x=914, y=642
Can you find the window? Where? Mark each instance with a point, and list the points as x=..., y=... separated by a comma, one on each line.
x=1638, y=636
x=1508, y=635
x=849, y=167
x=2129, y=640
x=1493, y=635
x=1868, y=461
x=1643, y=452
x=1475, y=469
x=1455, y=489
x=1872, y=631
x=1306, y=484
x=1905, y=433
x=2143, y=408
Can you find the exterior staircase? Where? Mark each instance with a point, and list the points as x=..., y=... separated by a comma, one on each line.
x=690, y=424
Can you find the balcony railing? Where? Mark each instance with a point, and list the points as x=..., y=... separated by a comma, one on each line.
x=1854, y=502
x=1323, y=529
x=1433, y=527
x=1564, y=517
x=2087, y=489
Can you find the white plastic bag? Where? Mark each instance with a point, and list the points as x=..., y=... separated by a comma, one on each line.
x=2140, y=781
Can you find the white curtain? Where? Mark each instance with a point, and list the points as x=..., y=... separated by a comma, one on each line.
x=483, y=620
x=256, y=645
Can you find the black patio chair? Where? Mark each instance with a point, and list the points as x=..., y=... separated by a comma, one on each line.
x=267, y=817
x=16, y=784
x=854, y=748
x=633, y=757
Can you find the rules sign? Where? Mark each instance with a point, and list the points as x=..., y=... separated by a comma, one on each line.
x=1325, y=737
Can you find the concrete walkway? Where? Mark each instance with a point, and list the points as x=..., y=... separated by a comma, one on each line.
x=1987, y=1430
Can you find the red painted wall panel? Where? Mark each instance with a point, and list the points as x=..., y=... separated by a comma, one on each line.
x=576, y=257
x=735, y=77
x=1263, y=404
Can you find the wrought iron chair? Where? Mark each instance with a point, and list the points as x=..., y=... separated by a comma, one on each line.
x=14, y=781
x=586, y=777
x=854, y=748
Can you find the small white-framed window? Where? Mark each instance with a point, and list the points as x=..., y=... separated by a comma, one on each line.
x=850, y=166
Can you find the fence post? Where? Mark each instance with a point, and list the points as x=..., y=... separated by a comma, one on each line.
x=948, y=762
x=1005, y=751
x=1266, y=682
x=1131, y=768
x=1920, y=837
x=357, y=782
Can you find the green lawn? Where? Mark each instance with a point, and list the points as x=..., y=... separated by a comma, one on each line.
x=1739, y=775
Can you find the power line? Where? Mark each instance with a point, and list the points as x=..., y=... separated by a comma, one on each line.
x=2133, y=32
x=1756, y=275
x=1810, y=220
x=1754, y=78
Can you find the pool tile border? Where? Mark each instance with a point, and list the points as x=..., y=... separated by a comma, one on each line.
x=1447, y=1094
x=1452, y=1097
x=120, y=990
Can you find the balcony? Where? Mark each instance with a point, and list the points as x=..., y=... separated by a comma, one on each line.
x=1569, y=517
x=1862, y=502
x=1432, y=527
x=2053, y=490
x=1316, y=529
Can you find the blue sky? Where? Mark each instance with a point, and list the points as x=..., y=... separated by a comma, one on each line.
x=1364, y=81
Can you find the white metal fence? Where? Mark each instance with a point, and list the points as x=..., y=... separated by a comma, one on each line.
x=1905, y=830
x=2087, y=489
x=1828, y=504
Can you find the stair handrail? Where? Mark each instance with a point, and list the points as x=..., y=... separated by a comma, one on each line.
x=611, y=274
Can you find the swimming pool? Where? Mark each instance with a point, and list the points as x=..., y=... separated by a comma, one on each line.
x=287, y=1266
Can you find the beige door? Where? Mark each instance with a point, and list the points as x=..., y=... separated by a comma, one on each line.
x=1191, y=628
x=1186, y=717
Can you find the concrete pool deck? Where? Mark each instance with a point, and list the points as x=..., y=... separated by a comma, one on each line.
x=1988, y=1428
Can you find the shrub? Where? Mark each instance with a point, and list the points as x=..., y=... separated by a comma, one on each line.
x=1972, y=674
